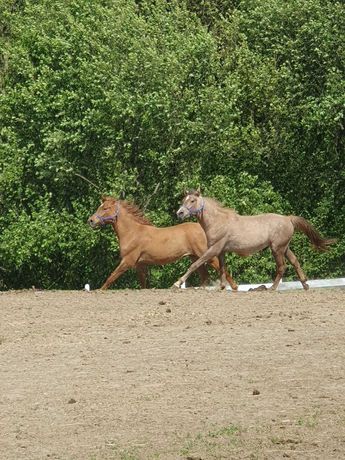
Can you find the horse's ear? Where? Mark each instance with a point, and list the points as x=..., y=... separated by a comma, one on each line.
x=103, y=198
x=198, y=191
x=122, y=195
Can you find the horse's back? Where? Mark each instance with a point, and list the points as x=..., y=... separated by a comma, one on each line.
x=186, y=228
x=268, y=224
x=188, y=234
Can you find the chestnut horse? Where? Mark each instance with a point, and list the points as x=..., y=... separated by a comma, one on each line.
x=142, y=244
x=227, y=231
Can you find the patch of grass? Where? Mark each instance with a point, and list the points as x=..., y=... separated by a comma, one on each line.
x=127, y=455
x=275, y=440
x=228, y=431
x=123, y=453
x=156, y=456
x=310, y=421
x=215, y=443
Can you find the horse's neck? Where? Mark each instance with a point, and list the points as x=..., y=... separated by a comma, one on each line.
x=209, y=217
x=126, y=225
x=206, y=217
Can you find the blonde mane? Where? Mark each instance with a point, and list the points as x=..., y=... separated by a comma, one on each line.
x=218, y=205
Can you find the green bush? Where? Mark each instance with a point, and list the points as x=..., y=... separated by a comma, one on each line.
x=245, y=99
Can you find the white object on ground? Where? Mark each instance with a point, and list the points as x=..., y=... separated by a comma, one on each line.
x=292, y=285
x=286, y=285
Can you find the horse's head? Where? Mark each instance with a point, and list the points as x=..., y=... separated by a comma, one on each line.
x=107, y=213
x=192, y=204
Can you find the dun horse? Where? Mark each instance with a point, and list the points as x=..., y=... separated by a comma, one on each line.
x=227, y=231
x=142, y=244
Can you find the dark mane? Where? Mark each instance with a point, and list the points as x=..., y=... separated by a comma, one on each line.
x=136, y=212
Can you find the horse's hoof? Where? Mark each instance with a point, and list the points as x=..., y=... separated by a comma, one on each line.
x=305, y=286
x=176, y=285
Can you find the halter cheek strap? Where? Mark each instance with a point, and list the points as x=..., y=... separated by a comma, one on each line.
x=112, y=218
x=194, y=212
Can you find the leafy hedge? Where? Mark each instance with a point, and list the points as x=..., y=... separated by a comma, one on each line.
x=245, y=98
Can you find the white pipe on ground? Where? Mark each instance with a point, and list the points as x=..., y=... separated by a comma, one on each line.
x=289, y=285
x=292, y=285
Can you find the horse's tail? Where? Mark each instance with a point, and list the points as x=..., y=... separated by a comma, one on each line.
x=319, y=243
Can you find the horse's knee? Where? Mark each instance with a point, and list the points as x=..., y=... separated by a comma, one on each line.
x=281, y=269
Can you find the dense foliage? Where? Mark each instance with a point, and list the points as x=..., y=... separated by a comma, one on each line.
x=144, y=98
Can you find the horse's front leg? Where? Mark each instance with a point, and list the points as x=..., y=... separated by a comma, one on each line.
x=211, y=252
x=124, y=265
x=202, y=271
x=280, y=267
x=215, y=264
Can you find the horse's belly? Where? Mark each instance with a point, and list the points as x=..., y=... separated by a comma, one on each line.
x=155, y=257
x=245, y=250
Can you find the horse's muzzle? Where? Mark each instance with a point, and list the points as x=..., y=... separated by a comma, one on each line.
x=181, y=214
x=93, y=223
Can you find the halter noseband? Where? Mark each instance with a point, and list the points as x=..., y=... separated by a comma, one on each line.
x=194, y=212
x=112, y=219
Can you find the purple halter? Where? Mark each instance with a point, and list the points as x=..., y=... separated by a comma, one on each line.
x=194, y=212
x=112, y=219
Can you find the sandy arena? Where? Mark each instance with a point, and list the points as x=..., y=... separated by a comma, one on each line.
x=172, y=375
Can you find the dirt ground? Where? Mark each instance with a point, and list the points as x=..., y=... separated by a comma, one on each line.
x=172, y=375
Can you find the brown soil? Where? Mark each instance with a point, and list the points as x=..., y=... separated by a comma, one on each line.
x=169, y=375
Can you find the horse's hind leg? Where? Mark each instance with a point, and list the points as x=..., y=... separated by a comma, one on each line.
x=215, y=264
x=221, y=259
x=293, y=260
x=142, y=275
x=281, y=267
